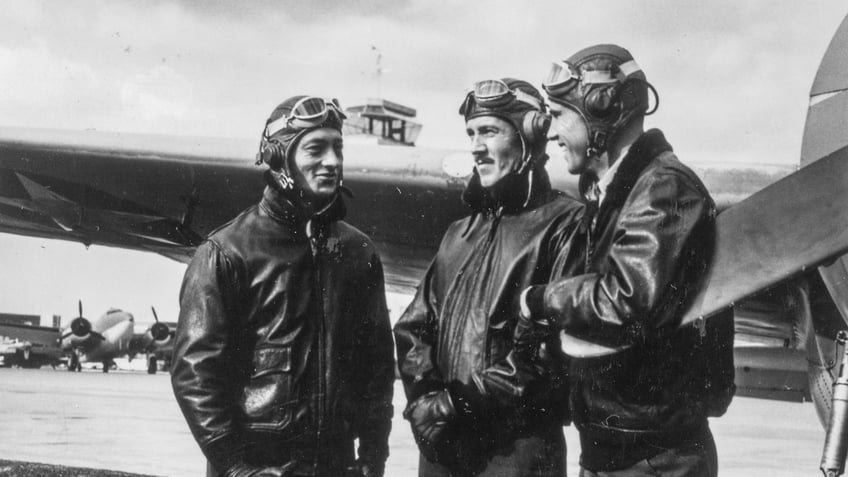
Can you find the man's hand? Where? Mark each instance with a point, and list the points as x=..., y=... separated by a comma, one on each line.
x=529, y=334
x=429, y=416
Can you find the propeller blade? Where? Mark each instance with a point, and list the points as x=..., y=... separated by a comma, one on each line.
x=155, y=316
x=80, y=308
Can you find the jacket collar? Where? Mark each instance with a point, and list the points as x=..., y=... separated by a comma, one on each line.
x=646, y=147
x=512, y=194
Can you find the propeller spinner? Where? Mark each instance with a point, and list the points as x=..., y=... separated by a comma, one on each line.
x=80, y=326
x=159, y=331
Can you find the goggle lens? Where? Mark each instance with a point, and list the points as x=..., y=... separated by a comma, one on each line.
x=489, y=90
x=560, y=75
x=309, y=112
x=311, y=108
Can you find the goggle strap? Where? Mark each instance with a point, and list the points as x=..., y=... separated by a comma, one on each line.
x=276, y=125
x=528, y=99
x=598, y=77
x=628, y=68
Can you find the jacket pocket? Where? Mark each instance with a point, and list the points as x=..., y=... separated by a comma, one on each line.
x=268, y=398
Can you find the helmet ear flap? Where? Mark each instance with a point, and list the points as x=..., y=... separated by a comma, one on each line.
x=602, y=102
x=272, y=153
x=535, y=126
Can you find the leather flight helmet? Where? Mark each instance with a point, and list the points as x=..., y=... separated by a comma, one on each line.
x=605, y=86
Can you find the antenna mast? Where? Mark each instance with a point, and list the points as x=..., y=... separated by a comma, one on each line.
x=379, y=66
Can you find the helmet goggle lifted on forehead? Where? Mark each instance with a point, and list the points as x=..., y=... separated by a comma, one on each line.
x=506, y=99
x=308, y=112
x=605, y=86
x=494, y=94
x=563, y=76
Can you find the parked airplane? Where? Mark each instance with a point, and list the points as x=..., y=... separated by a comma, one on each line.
x=113, y=335
x=31, y=347
x=164, y=194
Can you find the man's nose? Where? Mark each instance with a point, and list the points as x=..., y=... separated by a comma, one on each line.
x=332, y=159
x=478, y=145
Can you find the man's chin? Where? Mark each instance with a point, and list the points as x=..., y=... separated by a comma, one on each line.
x=325, y=193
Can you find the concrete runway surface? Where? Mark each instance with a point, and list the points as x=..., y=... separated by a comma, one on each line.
x=128, y=421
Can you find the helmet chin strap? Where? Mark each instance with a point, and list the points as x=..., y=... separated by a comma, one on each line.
x=282, y=179
x=526, y=160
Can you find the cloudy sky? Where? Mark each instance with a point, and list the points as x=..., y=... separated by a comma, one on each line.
x=733, y=79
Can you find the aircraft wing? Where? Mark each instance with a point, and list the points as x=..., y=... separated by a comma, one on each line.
x=165, y=194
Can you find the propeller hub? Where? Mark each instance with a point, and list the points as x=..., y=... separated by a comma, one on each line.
x=80, y=326
x=159, y=331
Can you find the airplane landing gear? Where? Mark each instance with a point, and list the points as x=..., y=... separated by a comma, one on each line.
x=151, y=365
x=74, y=364
x=836, y=441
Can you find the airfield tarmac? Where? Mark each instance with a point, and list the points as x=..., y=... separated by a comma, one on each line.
x=128, y=421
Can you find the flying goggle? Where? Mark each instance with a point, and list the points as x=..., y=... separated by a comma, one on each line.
x=308, y=112
x=492, y=94
x=563, y=76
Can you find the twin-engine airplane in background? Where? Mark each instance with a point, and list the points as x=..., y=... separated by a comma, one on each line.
x=113, y=335
x=782, y=234
x=102, y=340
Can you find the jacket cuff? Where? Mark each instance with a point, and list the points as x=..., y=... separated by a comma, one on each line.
x=374, y=435
x=224, y=452
x=533, y=301
x=467, y=400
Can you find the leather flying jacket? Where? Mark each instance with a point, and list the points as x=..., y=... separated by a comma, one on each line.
x=645, y=253
x=284, y=345
x=458, y=329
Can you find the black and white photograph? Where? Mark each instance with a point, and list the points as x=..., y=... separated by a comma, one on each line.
x=411, y=238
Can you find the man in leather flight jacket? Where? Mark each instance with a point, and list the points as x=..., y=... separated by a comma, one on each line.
x=646, y=243
x=475, y=407
x=283, y=352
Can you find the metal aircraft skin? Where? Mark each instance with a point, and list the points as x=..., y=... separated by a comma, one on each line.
x=164, y=194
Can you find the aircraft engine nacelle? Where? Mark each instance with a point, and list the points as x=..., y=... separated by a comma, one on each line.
x=160, y=332
x=80, y=327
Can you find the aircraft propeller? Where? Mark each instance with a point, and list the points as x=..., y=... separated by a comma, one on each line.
x=81, y=327
x=159, y=331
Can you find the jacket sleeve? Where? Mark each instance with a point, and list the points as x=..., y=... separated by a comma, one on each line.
x=201, y=376
x=416, y=334
x=664, y=231
x=377, y=368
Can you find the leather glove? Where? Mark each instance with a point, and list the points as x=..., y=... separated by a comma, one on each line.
x=530, y=334
x=247, y=470
x=366, y=469
x=429, y=416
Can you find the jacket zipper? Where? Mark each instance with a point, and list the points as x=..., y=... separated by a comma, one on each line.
x=319, y=293
x=484, y=250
